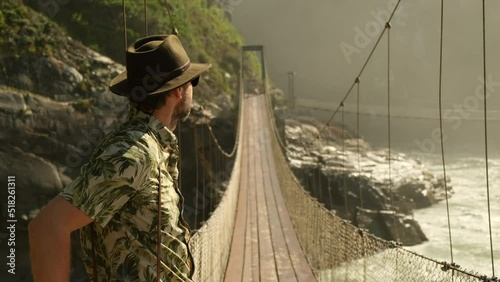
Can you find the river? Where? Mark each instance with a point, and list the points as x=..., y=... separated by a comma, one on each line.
x=468, y=215
x=465, y=164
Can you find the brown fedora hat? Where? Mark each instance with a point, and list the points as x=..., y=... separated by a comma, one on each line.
x=155, y=64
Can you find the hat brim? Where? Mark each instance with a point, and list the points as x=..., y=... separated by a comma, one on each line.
x=121, y=86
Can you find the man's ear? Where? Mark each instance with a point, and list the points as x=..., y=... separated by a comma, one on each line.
x=177, y=92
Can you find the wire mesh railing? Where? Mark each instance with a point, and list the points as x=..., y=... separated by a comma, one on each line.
x=335, y=249
x=339, y=251
x=211, y=244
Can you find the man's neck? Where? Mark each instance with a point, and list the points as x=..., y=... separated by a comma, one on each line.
x=165, y=117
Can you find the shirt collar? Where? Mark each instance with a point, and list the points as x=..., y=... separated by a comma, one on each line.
x=165, y=137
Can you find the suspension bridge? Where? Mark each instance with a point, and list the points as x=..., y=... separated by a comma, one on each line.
x=267, y=227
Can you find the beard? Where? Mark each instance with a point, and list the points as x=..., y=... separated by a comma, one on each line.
x=182, y=109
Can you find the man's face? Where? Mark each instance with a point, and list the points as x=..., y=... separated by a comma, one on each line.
x=183, y=108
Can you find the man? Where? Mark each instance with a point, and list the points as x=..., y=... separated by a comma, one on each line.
x=115, y=199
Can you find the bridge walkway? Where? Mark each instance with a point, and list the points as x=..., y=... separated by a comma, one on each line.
x=265, y=246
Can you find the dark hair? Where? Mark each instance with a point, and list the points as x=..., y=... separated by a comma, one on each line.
x=154, y=102
x=151, y=103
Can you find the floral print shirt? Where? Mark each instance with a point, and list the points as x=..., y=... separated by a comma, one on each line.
x=118, y=189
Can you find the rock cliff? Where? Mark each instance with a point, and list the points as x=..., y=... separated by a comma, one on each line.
x=352, y=178
x=55, y=107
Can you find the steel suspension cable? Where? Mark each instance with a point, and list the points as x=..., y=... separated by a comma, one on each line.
x=217, y=144
x=358, y=136
x=360, y=73
x=344, y=171
x=216, y=141
x=319, y=189
x=271, y=112
x=360, y=189
x=441, y=130
x=219, y=170
x=124, y=18
x=330, y=194
x=180, y=155
x=316, y=185
x=328, y=183
x=486, y=137
x=223, y=160
x=203, y=174
x=400, y=116
x=174, y=29
x=346, y=254
x=447, y=266
x=396, y=231
x=238, y=125
x=270, y=109
x=212, y=165
x=146, y=17
x=197, y=192
x=216, y=173
x=388, y=27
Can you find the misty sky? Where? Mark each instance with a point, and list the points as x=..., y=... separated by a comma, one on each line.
x=327, y=41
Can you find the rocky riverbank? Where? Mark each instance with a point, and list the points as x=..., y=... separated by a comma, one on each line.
x=356, y=184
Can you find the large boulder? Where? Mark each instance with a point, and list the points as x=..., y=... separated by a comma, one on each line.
x=387, y=224
x=55, y=107
x=32, y=73
x=419, y=192
x=352, y=178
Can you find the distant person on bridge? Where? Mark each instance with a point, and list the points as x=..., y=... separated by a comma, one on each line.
x=115, y=199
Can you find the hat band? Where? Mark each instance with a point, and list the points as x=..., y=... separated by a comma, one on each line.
x=155, y=78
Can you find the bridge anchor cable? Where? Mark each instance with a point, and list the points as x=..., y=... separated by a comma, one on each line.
x=445, y=176
x=486, y=137
x=360, y=72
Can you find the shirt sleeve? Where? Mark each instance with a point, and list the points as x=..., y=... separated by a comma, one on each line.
x=107, y=182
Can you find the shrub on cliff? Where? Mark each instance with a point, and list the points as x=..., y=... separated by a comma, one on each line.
x=206, y=33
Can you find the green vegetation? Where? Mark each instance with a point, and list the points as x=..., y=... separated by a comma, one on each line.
x=2, y=18
x=20, y=29
x=204, y=30
x=32, y=29
x=83, y=105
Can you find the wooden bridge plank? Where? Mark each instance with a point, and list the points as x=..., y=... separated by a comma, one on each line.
x=253, y=237
x=247, y=267
x=236, y=265
x=264, y=246
x=243, y=265
x=283, y=263
x=301, y=267
x=266, y=250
